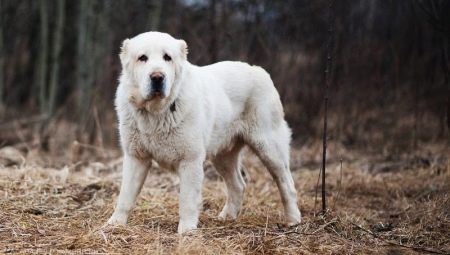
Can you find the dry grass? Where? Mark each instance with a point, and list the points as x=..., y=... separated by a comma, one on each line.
x=56, y=211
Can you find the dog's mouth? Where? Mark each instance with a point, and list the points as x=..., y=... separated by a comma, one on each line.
x=157, y=95
x=146, y=102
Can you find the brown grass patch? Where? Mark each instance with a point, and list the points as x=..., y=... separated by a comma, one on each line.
x=56, y=211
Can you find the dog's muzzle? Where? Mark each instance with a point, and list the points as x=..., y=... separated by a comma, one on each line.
x=157, y=84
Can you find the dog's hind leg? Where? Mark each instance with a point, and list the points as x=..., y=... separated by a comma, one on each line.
x=228, y=166
x=272, y=147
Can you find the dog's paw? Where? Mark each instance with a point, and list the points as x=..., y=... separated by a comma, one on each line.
x=184, y=228
x=227, y=213
x=222, y=216
x=294, y=218
x=117, y=220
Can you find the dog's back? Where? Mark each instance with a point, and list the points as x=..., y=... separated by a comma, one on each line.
x=249, y=88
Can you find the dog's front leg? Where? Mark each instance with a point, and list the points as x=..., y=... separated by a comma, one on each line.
x=191, y=180
x=133, y=176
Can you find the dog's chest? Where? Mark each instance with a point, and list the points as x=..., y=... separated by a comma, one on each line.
x=166, y=148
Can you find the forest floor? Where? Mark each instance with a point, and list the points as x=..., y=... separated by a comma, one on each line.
x=377, y=205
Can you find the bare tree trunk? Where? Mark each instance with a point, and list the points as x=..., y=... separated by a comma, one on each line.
x=2, y=59
x=43, y=56
x=327, y=86
x=446, y=51
x=100, y=47
x=435, y=16
x=83, y=57
x=154, y=17
x=448, y=112
x=213, y=49
x=57, y=45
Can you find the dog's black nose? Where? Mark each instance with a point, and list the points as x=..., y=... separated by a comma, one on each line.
x=157, y=77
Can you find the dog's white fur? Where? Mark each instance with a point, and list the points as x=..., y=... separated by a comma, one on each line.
x=208, y=112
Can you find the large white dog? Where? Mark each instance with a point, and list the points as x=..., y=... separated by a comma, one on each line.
x=179, y=115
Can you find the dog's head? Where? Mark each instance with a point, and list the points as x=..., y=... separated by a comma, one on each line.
x=153, y=63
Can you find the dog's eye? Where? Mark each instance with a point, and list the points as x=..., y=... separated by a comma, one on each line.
x=143, y=58
x=167, y=57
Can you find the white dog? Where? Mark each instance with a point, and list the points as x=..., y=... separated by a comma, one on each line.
x=179, y=115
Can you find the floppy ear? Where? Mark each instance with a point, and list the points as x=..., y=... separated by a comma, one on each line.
x=183, y=48
x=124, y=52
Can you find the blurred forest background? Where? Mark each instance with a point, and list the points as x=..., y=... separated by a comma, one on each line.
x=390, y=78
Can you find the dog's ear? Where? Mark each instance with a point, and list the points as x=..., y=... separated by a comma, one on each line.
x=183, y=48
x=124, y=52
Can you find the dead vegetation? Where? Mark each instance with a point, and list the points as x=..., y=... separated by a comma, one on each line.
x=405, y=210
